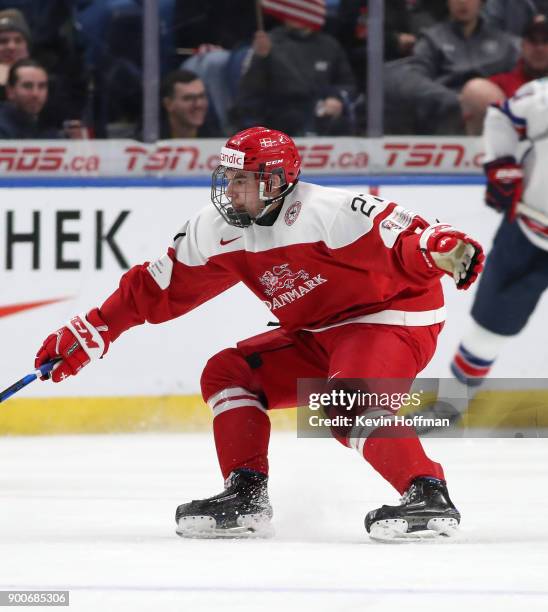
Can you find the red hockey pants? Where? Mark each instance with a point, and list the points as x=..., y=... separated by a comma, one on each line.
x=242, y=384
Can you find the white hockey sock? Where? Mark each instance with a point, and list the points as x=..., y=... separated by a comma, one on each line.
x=476, y=354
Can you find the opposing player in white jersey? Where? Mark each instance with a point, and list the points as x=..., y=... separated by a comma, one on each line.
x=516, y=271
x=354, y=281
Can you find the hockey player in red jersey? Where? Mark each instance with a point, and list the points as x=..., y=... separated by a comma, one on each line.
x=354, y=281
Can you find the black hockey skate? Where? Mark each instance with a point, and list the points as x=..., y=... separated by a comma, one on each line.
x=426, y=511
x=241, y=510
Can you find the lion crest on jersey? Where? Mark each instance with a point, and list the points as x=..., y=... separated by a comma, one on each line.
x=281, y=277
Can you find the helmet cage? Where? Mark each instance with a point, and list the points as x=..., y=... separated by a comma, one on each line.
x=223, y=203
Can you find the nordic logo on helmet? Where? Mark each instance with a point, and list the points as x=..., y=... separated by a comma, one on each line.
x=231, y=158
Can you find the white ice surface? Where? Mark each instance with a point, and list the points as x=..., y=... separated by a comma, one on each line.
x=94, y=515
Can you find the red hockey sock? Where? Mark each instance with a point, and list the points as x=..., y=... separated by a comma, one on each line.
x=241, y=439
x=399, y=458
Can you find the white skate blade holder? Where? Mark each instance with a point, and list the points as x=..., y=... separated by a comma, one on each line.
x=395, y=530
x=205, y=527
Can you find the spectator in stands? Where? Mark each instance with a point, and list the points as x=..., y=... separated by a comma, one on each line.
x=299, y=78
x=513, y=16
x=26, y=93
x=445, y=58
x=478, y=94
x=53, y=41
x=353, y=30
x=14, y=43
x=56, y=44
x=186, y=105
x=216, y=36
x=95, y=21
x=112, y=32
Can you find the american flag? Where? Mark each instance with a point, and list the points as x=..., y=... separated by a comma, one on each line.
x=307, y=13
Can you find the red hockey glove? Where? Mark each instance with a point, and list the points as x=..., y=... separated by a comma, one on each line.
x=504, y=185
x=83, y=338
x=454, y=252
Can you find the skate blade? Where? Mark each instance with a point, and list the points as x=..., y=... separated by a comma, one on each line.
x=395, y=530
x=205, y=527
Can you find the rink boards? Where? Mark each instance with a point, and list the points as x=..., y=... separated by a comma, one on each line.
x=62, y=251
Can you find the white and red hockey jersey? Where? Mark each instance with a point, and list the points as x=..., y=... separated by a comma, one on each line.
x=330, y=257
x=518, y=128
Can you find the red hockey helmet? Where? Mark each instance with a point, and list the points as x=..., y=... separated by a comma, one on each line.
x=266, y=153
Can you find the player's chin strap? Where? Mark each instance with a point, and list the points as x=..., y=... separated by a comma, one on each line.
x=269, y=202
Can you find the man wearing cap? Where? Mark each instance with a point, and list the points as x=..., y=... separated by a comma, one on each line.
x=14, y=43
x=478, y=94
x=299, y=77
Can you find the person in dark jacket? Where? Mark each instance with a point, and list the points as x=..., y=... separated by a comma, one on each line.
x=215, y=38
x=478, y=94
x=298, y=80
x=53, y=39
x=352, y=33
x=445, y=58
x=15, y=41
x=27, y=94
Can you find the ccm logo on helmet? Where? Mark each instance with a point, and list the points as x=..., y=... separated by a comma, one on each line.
x=274, y=162
x=231, y=158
